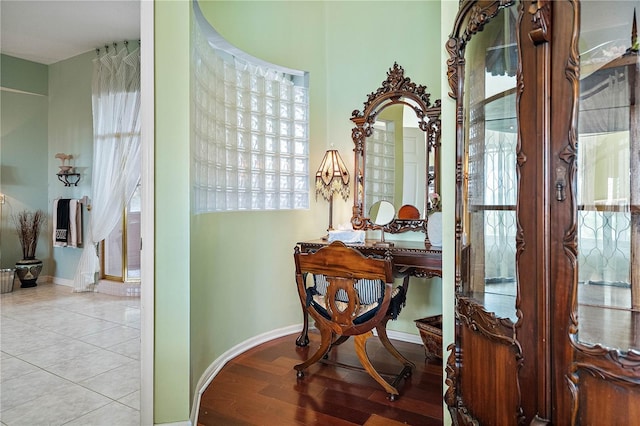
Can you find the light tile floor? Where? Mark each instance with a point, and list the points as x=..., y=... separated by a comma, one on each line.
x=69, y=358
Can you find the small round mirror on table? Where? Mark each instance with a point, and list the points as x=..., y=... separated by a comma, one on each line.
x=381, y=214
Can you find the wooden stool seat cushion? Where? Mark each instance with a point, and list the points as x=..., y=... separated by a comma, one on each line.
x=370, y=292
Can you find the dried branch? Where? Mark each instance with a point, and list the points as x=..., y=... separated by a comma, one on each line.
x=28, y=226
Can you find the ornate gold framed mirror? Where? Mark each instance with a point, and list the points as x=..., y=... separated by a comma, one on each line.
x=397, y=140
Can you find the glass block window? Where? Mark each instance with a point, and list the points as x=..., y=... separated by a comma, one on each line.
x=250, y=133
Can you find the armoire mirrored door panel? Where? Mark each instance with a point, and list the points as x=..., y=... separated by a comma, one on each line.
x=608, y=179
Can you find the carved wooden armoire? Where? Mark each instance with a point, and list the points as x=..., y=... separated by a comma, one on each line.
x=547, y=213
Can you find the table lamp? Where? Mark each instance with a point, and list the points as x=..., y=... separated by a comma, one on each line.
x=332, y=177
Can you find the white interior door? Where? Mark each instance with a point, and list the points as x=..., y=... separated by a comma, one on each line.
x=415, y=161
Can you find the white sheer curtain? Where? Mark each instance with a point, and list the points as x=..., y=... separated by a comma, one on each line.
x=116, y=152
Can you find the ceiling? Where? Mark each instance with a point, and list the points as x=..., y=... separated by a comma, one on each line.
x=49, y=31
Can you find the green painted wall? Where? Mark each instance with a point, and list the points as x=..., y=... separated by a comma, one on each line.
x=70, y=131
x=34, y=128
x=244, y=278
x=23, y=153
x=172, y=267
x=20, y=74
x=242, y=281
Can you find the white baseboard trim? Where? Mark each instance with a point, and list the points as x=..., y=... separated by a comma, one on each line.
x=185, y=423
x=403, y=336
x=215, y=367
x=62, y=281
x=113, y=288
x=119, y=288
x=220, y=362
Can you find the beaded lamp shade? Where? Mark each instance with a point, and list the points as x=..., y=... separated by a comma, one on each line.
x=332, y=176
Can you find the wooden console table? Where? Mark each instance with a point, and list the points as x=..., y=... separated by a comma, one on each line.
x=410, y=258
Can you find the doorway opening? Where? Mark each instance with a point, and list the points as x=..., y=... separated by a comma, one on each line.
x=120, y=252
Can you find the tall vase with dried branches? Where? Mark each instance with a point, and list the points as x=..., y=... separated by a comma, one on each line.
x=28, y=225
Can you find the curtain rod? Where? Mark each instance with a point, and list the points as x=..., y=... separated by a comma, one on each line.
x=115, y=47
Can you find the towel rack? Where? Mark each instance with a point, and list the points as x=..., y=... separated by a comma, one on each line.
x=85, y=200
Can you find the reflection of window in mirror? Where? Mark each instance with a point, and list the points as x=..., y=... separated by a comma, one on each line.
x=380, y=179
x=396, y=159
x=608, y=187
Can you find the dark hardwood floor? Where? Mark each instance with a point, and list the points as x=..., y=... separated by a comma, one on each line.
x=259, y=387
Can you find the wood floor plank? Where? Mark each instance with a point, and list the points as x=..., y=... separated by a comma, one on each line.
x=259, y=409
x=260, y=387
x=376, y=420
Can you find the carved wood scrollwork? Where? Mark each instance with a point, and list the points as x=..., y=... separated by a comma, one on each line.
x=541, y=11
x=395, y=82
x=478, y=17
x=453, y=63
x=605, y=364
x=480, y=14
x=568, y=156
x=452, y=371
x=521, y=160
x=423, y=273
x=433, y=130
x=406, y=225
x=608, y=363
x=601, y=373
x=501, y=330
x=357, y=134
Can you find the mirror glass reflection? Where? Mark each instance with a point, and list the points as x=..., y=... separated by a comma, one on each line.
x=382, y=213
x=608, y=186
x=397, y=160
x=491, y=188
